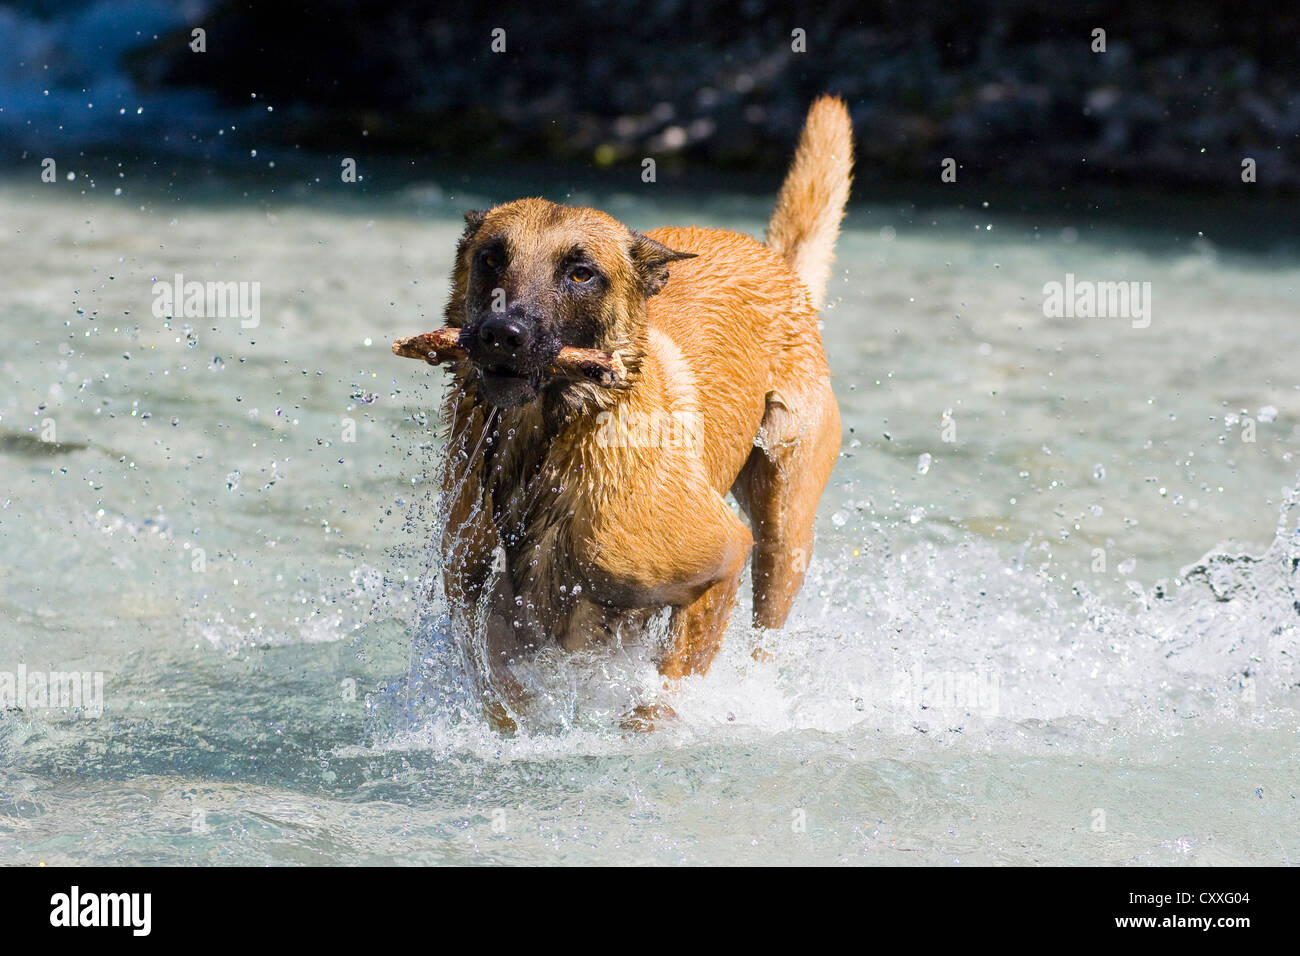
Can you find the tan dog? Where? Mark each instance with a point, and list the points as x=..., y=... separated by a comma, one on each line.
x=576, y=512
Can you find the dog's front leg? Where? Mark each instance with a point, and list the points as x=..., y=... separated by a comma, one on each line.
x=502, y=693
x=477, y=593
x=696, y=628
x=482, y=600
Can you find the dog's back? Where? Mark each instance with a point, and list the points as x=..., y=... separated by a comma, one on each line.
x=731, y=325
x=739, y=321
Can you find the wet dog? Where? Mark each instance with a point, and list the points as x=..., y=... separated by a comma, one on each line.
x=577, y=512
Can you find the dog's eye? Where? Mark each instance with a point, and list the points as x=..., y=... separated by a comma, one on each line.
x=582, y=274
x=490, y=259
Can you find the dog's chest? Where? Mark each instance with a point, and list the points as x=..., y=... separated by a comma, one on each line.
x=532, y=511
x=543, y=507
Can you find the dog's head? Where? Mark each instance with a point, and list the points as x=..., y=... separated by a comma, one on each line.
x=532, y=277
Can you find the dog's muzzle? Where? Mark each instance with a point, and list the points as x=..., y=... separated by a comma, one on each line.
x=506, y=350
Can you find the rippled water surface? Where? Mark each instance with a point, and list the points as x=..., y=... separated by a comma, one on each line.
x=1010, y=648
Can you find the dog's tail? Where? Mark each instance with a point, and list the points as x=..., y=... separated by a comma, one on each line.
x=811, y=204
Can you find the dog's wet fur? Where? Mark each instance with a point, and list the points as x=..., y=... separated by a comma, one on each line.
x=556, y=534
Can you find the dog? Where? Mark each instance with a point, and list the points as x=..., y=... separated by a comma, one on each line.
x=561, y=524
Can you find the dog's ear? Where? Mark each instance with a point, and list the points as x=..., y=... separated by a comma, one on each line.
x=651, y=260
x=455, y=308
x=473, y=219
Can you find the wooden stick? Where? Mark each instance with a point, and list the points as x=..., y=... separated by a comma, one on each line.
x=602, y=368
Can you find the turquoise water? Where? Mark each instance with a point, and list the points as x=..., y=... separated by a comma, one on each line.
x=1003, y=654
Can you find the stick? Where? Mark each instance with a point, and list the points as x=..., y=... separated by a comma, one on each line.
x=602, y=368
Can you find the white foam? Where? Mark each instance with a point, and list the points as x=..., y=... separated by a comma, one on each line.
x=940, y=641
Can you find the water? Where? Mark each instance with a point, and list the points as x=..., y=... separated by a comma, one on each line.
x=998, y=656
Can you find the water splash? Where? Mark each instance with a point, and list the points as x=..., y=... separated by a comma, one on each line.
x=942, y=641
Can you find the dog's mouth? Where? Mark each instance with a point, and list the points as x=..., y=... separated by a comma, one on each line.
x=507, y=385
x=503, y=371
x=510, y=373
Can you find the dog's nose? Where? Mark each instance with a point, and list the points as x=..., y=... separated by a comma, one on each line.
x=504, y=335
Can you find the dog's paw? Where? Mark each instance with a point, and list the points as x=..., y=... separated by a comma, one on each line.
x=643, y=718
x=498, y=718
